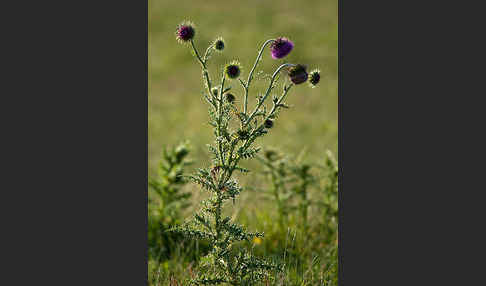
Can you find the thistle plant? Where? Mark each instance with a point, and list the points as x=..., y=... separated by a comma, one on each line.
x=276, y=170
x=330, y=197
x=290, y=179
x=235, y=129
x=167, y=201
x=305, y=178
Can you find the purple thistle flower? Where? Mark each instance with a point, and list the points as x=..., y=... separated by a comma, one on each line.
x=281, y=47
x=298, y=74
x=185, y=32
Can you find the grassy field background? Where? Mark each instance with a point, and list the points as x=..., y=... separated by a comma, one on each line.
x=177, y=110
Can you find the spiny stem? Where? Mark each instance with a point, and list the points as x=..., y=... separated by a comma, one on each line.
x=217, y=219
x=276, y=185
x=304, y=205
x=275, y=106
x=270, y=86
x=208, y=52
x=203, y=63
x=246, y=145
x=250, y=76
x=220, y=114
x=204, y=67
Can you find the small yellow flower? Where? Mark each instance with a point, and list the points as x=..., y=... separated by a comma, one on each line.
x=257, y=240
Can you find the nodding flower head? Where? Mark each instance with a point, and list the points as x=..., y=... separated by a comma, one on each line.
x=298, y=74
x=314, y=77
x=233, y=69
x=219, y=44
x=268, y=123
x=215, y=91
x=281, y=47
x=185, y=31
x=230, y=98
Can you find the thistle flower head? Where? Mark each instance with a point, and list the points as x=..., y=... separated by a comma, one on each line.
x=233, y=69
x=268, y=123
x=281, y=47
x=298, y=74
x=314, y=77
x=185, y=31
x=219, y=44
x=230, y=98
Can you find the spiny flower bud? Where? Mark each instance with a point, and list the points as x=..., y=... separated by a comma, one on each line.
x=268, y=123
x=281, y=47
x=185, y=31
x=230, y=98
x=243, y=134
x=233, y=69
x=219, y=44
x=298, y=74
x=314, y=77
x=215, y=91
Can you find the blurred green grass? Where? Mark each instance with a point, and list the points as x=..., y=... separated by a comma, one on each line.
x=176, y=109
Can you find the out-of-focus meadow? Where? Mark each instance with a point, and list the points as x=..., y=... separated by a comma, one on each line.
x=177, y=110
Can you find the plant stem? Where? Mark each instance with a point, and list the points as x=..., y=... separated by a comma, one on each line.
x=304, y=205
x=204, y=67
x=275, y=106
x=270, y=86
x=220, y=114
x=208, y=52
x=246, y=145
x=197, y=54
x=276, y=194
x=250, y=76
